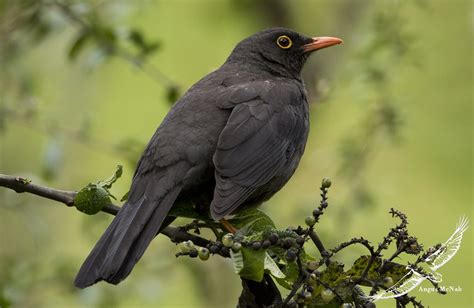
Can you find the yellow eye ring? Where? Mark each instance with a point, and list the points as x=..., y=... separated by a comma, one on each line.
x=284, y=42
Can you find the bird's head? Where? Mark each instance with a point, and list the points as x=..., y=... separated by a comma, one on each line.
x=279, y=50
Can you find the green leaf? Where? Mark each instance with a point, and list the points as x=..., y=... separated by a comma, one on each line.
x=151, y=48
x=251, y=220
x=125, y=197
x=82, y=38
x=105, y=36
x=249, y=263
x=272, y=267
x=172, y=94
x=291, y=272
x=334, y=273
x=237, y=260
x=394, y=270
x=108, y=183
x=335, y=277
x=391, y=269
x=136, y=37
x=91, y=199
x=146, y=48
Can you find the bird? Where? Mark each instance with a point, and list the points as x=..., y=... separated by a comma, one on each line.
x=437, y=256
x=230, y=142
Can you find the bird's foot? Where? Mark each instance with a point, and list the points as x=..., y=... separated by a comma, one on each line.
x=227, y=226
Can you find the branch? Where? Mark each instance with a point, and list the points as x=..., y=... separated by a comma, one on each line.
x=22, y=185
x=317, y=241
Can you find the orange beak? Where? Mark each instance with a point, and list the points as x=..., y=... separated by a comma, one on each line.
x=321, y=42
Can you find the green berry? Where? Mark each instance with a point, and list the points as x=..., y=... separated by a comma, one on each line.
x=187, y=246
x=310, y=221
x=346, y=305
x=203, y=253
x=184, y=247
x=190, y=244
x=227, y=240
x=236, y=246
x=312, y=265
x=388, y=282
x=326, y=183
x=327, y=295
x=91, y=199
x=316, y=212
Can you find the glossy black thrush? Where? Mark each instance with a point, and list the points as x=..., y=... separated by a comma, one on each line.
x=233, y=140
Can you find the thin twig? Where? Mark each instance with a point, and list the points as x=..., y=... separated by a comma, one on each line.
x=299, y=281
x=22, y=185
x=317, y=241
x=354, y=241
x=327, y=286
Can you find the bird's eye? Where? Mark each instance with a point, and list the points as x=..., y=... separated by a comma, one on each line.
x=284, y=42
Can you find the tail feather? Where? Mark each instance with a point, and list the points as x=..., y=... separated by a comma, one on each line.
x=125, y=240
x=135, y=216
x=89, y=272
x=146, y=236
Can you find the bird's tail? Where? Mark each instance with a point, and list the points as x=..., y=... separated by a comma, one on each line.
x=127, y=237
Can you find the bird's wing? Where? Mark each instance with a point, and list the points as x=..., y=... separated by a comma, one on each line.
x=447, y=251
x=407, y=283
x=248, y=154
x=252, y=147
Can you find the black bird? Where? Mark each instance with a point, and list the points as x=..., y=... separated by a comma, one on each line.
x=233, y=140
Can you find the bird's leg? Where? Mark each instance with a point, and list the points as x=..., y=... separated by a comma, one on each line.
x=227, y=226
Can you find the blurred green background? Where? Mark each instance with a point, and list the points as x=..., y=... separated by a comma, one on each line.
x=391, y=124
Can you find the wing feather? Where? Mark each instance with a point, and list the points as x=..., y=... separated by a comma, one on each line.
x=249, y=154
x=257, y=141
